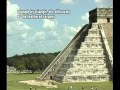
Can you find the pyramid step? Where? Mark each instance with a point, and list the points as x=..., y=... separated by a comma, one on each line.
x=88, y=72
x=89, y=55
x=91, y=47
x=93, y=38
x=94, y=26
x=77, y=70
x=93, y=33
x=82, y=79
x=83, y=75
x=85, y=79
x=76, y=73
x=93, y=43
x=90, y=35
x=88, y=50
x=86, y=59
x=79, y=63
x=77, y=66
x=94, y=29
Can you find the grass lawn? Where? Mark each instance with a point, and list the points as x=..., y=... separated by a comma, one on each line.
x=13, y=79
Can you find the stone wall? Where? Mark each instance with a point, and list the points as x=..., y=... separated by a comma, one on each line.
x=108, y=29
x=11, y=69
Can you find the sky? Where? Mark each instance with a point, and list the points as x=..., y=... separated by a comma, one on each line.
x=46, y=35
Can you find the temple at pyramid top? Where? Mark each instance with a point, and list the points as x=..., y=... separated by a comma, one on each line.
x=101, y=15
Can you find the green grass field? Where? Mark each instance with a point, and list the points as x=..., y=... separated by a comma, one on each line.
x=13, y=79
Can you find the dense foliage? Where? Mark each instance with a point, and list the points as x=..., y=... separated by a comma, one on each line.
x=33, y=62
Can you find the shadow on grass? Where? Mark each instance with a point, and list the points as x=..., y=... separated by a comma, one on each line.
x=26, y=73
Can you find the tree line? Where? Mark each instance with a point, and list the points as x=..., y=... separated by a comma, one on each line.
x=33, y=61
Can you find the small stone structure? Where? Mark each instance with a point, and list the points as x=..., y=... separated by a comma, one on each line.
x=87, y=58
x=11, y=69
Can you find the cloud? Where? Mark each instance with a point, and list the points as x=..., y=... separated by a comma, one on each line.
x=38, y=36
x=12, y=11
x=52, y=35
x=85, y=17
x=98, y=1
x=15, y=27
x=67, y=1
x=70, y=31
x=24, y=35
x=104, y=3
x=49, y=24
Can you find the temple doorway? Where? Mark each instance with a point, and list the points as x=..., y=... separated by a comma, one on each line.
x=108, y=20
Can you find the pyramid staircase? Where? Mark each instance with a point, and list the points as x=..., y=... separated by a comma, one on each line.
x=86, y=58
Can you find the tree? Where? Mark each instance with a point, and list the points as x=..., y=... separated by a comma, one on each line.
x=33, y=61
x=33, y=65
x=20, y=67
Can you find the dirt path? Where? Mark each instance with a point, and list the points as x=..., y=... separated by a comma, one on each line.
x=46, y=83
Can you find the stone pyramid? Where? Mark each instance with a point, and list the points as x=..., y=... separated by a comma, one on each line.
x=87, y=57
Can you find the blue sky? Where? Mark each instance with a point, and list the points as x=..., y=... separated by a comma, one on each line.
x=46, y=35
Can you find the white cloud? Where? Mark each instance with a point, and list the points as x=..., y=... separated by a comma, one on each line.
x=98, y=1
x=85, y=17
x=38, y=36
x=15, y=27
x=35, y=38
x=104, y=3
x=70, y=31
x=49, y=24
x=24, y=35
x=52, y=35
x=12, y=11
x=67, y=1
